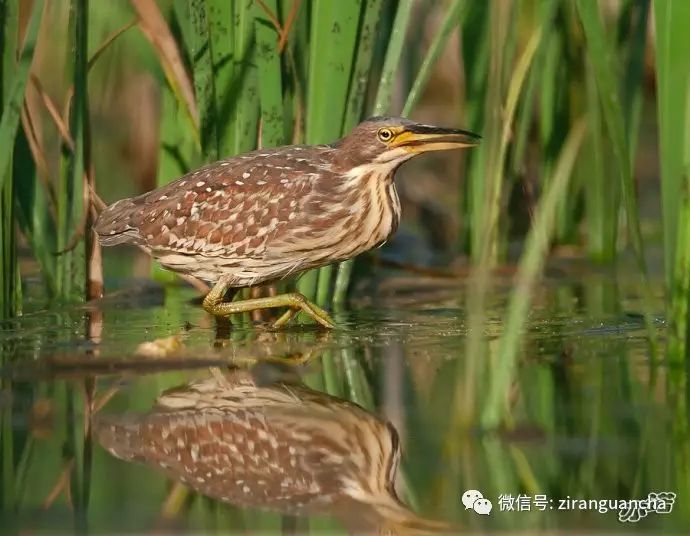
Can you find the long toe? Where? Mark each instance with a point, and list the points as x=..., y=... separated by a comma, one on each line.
x=319, y=315
x=284, y=318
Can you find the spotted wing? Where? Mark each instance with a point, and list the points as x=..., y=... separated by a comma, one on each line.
x=231, y=208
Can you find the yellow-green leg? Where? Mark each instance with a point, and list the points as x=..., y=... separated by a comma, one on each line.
x=214, y=304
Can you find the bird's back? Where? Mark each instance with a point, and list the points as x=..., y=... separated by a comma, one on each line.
x=224, y=216
x=209, y=195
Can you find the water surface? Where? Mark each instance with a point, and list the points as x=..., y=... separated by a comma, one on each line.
x=300, y=431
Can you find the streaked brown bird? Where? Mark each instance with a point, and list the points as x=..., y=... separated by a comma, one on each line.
x=279, y=446
x=264, y=215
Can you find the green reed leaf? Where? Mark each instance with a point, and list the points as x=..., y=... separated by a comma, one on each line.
x=529, y=269
x=11, y=109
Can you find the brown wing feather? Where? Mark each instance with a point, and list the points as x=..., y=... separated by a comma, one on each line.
x=229, y=208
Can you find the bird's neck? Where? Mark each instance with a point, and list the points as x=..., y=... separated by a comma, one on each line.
x=373, y=200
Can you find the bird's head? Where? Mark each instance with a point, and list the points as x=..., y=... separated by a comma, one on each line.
x=390, y=141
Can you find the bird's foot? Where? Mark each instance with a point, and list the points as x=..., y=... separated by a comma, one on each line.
x=296, y=302
x=302, y=304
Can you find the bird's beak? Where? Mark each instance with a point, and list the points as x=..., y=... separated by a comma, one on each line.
x=423, y=138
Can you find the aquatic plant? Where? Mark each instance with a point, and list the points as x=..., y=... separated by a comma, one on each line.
x=234, y=76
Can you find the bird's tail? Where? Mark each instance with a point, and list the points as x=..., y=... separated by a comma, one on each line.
x=119, y=434
x=114, y=224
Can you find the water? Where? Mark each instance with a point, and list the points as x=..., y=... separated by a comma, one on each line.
x=86, y=446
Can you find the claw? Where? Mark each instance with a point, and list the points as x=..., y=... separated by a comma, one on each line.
x=213, y=303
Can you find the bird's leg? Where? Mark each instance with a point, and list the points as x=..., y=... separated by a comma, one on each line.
x=214, y=304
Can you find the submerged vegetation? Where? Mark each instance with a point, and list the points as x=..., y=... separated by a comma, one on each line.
x=571, y=97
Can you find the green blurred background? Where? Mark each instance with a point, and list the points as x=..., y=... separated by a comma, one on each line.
x=538, y=288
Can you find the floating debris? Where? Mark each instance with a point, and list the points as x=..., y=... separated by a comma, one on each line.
x=160, y=347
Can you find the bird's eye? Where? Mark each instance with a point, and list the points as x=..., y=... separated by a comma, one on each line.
x=385, y=134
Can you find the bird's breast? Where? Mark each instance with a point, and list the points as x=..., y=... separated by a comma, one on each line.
x=365, y=215
x=381, y=217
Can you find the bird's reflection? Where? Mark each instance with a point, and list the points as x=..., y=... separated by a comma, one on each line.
x=243, y=438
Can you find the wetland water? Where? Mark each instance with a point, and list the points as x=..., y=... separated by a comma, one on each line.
x=113, y=420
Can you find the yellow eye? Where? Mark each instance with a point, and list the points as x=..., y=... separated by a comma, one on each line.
x=385, y=134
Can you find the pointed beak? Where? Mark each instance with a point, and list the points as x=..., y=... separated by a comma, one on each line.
x=424, y=138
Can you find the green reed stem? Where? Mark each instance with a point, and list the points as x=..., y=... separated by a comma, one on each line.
x=476, y=53
x=270, y=79
x=455, y=14
x=7, y=458
x=529, y=269
x=9, y=304
x=672, y=20
x=601, y=56
x=342, y=282
x=484, y=160
x=15, y=85
x=384, y=94
x=602, y=203
x=537, y=83
x=679, y=350
x=364, y=57
x=202, y=66
x=10, y=290
x=72, y=215
x=495, y=153
x=240, y=99
x=632, y=86
x=13, y=78
x=496, y=167
x=359, y=390
x=323, y=287
x=554, y=112
x=332, y=380
x=220, y=32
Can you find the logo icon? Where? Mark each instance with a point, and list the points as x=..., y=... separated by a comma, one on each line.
x=656, y=502
x=473, y=499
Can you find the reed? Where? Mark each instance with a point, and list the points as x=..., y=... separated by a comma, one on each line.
x=673, y=43
x=454, y=16
x=600, y=55
x=270, y=79
x=13, y=79
x=262, y=73
x=575, y=74
x=9, y=302
x=201, y=53
x=529, y=270
x=73, y=239
x=492, y=161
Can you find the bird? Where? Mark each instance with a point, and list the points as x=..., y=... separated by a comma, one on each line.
x=279, y=446
x=262, y=216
